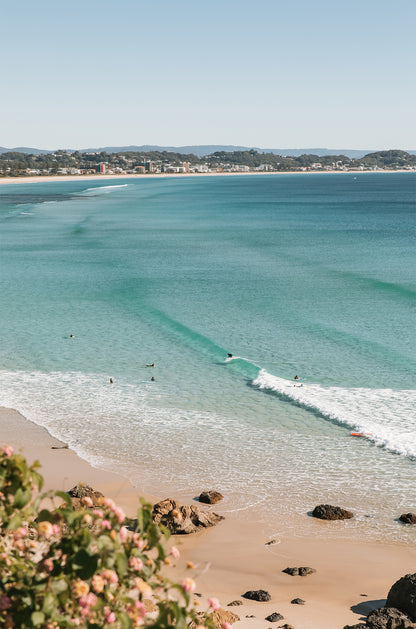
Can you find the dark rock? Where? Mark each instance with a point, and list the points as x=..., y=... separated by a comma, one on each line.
x=299, y=572
x=272, y=541
x=328, y=512
x=210, y=497
x=286, y=626
x=79, y=492
x=257, y=595
x=298, y=601
x=235, y=603
x=250, y=616
x=359, y=626
x=408, y=518
x=388, y=618
x=402, y=596
x=274, y=617
x=182, y=520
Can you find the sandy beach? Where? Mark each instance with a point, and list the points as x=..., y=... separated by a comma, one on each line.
x=351, y=577
x=103, y=178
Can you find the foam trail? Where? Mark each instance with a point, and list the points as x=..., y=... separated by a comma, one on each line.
x=104, y=189
x=247, y=360
x=385, y=413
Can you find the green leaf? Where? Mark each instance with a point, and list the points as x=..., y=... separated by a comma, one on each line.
x=84, y=564
x=59, y=586
x=49, y=604
x=125, y=620
x=121, y=563
x=15, y=521
x=65, y=497
x=21, y=498
x=38, y=618
x=46, y=516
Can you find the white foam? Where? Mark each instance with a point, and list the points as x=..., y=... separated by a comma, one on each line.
x=387, y=414
x=105, y=189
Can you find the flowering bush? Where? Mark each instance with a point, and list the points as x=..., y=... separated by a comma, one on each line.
x=65, y=568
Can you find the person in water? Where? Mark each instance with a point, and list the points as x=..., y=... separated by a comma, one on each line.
x=152, y=365
x=152, y=379
x=296, y=378
x=229, y=355
x=111, y=381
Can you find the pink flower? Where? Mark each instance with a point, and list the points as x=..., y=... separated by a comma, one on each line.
x=55, y=529
x=7, y=451
x=109, y=615
x=98, y=512
x=110, y=575
x=136, y=563
x=48, y=564
x=20, y=532
x=119, y=515
x=188, y=585
x=106, y=524
x=123, y=533
x=226, y=625
x=174, y=552
x=109, y=503
x=214, y=603
x=5, y=602
x=45, y=529
x=87, y=501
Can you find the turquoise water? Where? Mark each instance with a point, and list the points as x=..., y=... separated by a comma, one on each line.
x=293, y=274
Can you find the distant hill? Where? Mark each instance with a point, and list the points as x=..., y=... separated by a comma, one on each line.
x=201, y=150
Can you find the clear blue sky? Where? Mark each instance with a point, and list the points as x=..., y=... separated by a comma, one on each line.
x=271, y=73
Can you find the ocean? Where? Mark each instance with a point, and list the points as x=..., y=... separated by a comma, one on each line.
x=308, y=275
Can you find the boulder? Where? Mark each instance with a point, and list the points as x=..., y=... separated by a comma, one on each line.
x=220, y=616
x=210, y=497
x=388, y=618
x=235, y=603
x=183, y=520
x=299, y=572
x=84, y=491
x=359, y=626
x=298, y=601
x=257, y=595
x=408, y=518
x=328, y=512
x=402, y=596
x=274, y=617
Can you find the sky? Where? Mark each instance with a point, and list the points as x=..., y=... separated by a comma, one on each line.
x=269, y=74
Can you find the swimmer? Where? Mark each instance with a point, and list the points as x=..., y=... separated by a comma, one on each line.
x=229, y=355
x=152, y=365
x=152, y=379
x=71, y=336
x=296, y=378
x=111, y=381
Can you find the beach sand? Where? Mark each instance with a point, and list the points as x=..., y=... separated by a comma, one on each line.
x=351, y=577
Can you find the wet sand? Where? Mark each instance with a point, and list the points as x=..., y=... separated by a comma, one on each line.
x=351, y=577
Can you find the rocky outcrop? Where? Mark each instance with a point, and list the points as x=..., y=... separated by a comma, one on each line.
x=388, y=618
x=274, y=617
x=183, y=520
x=299, y=572
x=219, y=617
x=408, y=518
x=210, y=497
x=79, y=492
x=298, y=601
x=235, y=603
x=328, y=512
x=402, y=596
x=257, y=595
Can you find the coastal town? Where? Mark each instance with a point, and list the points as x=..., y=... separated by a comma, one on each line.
x=19, y=164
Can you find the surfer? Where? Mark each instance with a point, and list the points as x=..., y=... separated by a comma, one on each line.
x=229, y=355
x=152, y=365
x=111, y=381
x=71, y=336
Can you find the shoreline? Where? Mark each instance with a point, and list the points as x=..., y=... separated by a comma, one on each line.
x=234, y=557
x=98, y=177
